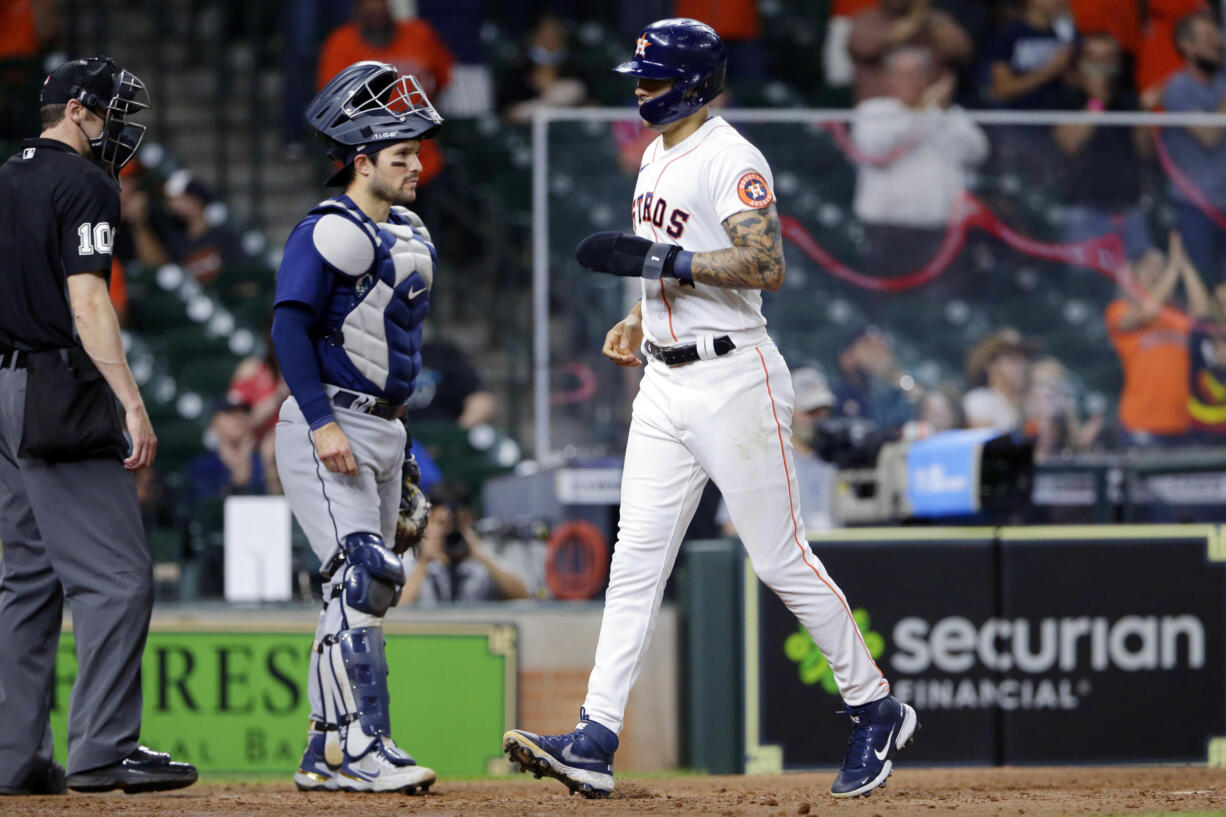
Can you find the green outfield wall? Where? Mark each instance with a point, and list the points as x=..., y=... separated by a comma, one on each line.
x=235, y=700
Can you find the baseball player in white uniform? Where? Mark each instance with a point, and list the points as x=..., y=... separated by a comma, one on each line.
x=715, y=403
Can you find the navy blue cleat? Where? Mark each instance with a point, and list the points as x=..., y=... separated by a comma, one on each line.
x=314, y=773
x=582, y=759
x=879, y=730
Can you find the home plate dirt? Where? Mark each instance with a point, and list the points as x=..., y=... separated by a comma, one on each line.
x=1033, y=792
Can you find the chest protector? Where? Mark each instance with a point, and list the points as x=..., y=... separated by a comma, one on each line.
x=384, y=274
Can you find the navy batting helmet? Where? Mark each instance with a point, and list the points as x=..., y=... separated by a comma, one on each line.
x=684, y=50
x=367, y=107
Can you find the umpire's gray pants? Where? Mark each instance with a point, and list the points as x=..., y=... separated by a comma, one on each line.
x=69, y=530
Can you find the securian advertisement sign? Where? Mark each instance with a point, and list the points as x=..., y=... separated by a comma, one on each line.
x=1007, y=641
x=236, y=702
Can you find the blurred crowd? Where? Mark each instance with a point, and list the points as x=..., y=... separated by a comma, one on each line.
x=1173, y=362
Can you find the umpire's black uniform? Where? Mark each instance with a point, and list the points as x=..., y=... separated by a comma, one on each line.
x=70, y=527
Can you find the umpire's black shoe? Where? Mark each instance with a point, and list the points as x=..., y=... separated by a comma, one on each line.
x=50, y=781
x=143, y=770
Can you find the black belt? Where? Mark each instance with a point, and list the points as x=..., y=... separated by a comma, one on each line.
x=681, y=355
x=12, y=359
x=362, y=403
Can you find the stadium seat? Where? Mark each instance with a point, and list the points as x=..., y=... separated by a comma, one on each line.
x=157, y=310
x=207, y=376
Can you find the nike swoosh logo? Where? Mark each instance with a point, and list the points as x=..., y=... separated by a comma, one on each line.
x=413, y=293
x=881, y=755
x=360, y=775
x=570, y=757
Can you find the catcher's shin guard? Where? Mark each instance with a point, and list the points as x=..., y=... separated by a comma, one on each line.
x=363, y=652
x=352, y=663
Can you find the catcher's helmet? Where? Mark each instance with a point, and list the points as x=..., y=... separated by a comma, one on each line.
x=685, y=50
x=369, y=106
x=109, y=91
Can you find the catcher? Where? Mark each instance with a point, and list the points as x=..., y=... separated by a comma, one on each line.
x=352, y=293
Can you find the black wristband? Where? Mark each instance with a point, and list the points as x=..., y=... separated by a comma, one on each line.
x=659, y=260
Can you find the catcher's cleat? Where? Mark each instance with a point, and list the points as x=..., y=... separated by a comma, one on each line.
x=383, y=768
x=879, y=730
x=582, y=760
x=313, y=773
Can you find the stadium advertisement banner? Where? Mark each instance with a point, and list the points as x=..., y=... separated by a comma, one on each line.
x=1124, y=633
x=1009, y=642
x=236, y=702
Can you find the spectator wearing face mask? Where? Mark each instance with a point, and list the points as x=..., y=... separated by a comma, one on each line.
x=546, y=77
x=413, y=46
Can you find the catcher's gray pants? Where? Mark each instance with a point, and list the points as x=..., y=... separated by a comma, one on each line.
x=331, y=506
x=70, y=530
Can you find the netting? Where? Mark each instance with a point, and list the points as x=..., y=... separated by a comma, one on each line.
x=939, y=228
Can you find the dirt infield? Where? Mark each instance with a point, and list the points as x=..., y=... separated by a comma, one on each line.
x=966, y=792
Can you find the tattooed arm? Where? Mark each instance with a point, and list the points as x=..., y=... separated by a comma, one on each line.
x=755, y=259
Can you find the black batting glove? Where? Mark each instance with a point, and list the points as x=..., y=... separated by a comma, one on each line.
x=632, y=257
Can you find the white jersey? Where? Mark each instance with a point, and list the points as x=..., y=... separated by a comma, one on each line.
x=683, y=195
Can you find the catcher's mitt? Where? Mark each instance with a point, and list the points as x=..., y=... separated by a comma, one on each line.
x=414, y=509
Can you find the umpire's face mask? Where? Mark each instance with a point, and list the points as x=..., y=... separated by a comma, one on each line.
x=118, y=139
x=91, y=125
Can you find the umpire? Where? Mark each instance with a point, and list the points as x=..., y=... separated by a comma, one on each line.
x=70, y=525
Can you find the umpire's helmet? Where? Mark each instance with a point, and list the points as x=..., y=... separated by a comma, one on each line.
x=367, y=107
x=685, y=50
x=111, y=92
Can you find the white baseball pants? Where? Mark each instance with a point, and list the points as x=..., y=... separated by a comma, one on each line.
x=729, y=419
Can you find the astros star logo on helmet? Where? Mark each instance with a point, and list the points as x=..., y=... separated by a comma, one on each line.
x=640, y=46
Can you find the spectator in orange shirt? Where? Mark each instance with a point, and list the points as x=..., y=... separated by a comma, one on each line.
x=411, y=45
x=27, y=27
x=737, y=23
x=119, y=291
x=1152, y=343
x=1119, y=18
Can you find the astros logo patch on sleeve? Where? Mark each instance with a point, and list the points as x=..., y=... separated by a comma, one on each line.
x=753, y=190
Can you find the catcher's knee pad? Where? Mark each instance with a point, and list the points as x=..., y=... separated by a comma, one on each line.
x=373, y=574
